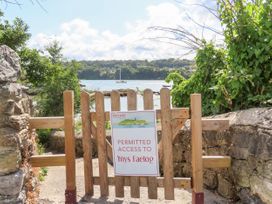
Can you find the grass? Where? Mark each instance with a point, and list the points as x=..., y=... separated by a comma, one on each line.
x=43, y=137
x=78, y=126
x=107, y=125
x=43, y=173
x=42, y=143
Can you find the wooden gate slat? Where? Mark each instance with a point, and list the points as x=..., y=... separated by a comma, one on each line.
x=101, y=143
x=87, y=143
x=119, y=180
x=167, y=144
x=151, y=181
x=135, y=181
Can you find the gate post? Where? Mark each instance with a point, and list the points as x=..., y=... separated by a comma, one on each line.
x=197, y=163
x=70, y=192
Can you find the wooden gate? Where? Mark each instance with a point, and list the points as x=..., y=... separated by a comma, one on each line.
x=171, y=120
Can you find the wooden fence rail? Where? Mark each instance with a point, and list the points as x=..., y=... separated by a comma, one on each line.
x=46, y=122
x=47, y=160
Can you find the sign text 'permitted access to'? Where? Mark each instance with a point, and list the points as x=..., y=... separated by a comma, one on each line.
x=134, y=140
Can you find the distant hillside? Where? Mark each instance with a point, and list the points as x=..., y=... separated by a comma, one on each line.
x=134, y=69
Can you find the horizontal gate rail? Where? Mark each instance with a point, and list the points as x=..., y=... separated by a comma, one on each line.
x=184, y=183
x=181, y=113
x=47, y=160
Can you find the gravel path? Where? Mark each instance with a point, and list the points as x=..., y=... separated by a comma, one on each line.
x=52, y=190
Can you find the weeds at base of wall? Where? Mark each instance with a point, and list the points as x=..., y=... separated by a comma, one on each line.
x=43, y=173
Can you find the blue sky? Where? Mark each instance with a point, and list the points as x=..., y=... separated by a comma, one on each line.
x=111, y=29
x=102, y=14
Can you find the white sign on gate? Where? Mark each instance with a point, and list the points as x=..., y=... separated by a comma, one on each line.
x=134, y=142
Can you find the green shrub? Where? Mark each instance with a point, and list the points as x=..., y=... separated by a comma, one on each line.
x=78, y=126
x=50, y=77
x=248, y=37
x=50, y=98
x=210, y=62
x=43, y=138
x=42, y=173
x=238, y=76
x=107, y=125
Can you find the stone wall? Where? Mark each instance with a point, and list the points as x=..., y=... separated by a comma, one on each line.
x=17, y=181
x=249, y=143
x=57, y=143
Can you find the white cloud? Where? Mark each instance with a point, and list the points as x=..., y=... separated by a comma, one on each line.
x=81, y=41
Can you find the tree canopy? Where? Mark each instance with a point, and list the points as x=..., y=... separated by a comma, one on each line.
x=47, y=74
x=13, y=34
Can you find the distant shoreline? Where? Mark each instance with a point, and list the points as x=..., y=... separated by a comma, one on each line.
x=133, y=69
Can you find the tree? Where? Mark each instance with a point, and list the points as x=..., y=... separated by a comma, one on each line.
x=54, y=50
x=36, y=69
x=62, y=76
x=48, y=75
x=13, y=34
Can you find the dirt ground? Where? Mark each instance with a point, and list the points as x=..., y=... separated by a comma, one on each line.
x=52, y=190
